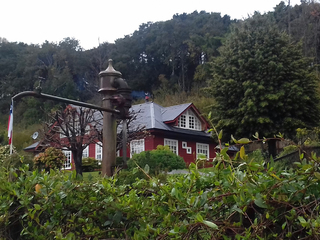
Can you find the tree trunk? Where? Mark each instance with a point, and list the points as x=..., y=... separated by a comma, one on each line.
x=272, y=147
x=77, y=158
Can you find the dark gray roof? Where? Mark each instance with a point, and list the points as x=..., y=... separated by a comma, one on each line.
x=32, y=146
x=153, y=116
x=171, y=113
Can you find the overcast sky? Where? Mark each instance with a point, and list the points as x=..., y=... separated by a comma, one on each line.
x=34, y=21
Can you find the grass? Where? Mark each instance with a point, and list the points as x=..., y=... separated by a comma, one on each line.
x=88, y=176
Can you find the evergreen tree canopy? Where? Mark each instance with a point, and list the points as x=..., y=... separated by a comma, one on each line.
x=262, y=83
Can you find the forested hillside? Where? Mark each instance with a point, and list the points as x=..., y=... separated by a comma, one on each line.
x=173, y=58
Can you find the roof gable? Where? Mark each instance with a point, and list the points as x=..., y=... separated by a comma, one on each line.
x=173, y=112
x=181, y=109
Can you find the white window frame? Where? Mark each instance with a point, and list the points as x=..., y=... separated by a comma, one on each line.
x=184, y=145
x=173, y=145
x=200, y=149
x=99, y=152
x=189, y=121
x=136, y=146
x=67, y=163
x=85, y=152
x=189, y=150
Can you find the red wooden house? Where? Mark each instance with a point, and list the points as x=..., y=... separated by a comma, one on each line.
x=181, y=127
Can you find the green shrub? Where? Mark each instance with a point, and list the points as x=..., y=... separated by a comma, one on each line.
x=14, y=160
x=119, y=161
x=288, y=149
x=4, y=153
x=254, y=201
x=160, y=159
x=51, y=158
x=89, y=164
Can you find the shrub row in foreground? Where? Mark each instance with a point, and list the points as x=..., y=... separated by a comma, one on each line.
x=239, y=199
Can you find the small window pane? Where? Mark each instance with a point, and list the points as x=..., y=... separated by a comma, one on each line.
x=67, y=163
x=173, y=145
x=191, y=122
x=85, y=152
x=136, y=146
x=99, y=152
x=182, y=121
x=203, y=149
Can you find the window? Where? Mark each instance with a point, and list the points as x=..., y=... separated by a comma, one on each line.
x=182, y=121
x=99, y=152
x=189, y=150
x=203, y=148
x=189, y=120
x=136, y=146
x=85, y=152
x=184, y=145
x=67, y=163
x=173, y=145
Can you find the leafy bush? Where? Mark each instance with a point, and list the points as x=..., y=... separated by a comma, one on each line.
x=4, y=153
x=160, y=159
x=119, y=161
x=51, y=158
x=242, y=202
x=89, y=164
x=14, y=160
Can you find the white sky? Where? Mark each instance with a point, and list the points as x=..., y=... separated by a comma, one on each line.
x=34, y=21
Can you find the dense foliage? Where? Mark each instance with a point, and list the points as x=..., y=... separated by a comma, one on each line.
x=51, y=158
x=244, y=198
x=89, y=164
x=262, y=83
x=158, y=160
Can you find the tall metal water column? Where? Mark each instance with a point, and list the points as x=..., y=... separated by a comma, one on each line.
x=116, y=95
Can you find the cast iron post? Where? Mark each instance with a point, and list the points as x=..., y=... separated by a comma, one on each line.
x=107, y=79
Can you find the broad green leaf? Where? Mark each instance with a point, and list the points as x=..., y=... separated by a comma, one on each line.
x=260, y=203
x=173, y=192
x=242, y=152
x=301, y=156
x=210, y=224
x=244, y=141
x=199, y=218
x=237, y=156
x=233, y=139
x=202, y=156
x=317, y=175
x=303, y=222
x=37, y=206
x=220, y=134
x=146, y=168
x=284, y=225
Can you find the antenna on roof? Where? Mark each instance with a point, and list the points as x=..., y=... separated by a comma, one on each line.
x=35, y=135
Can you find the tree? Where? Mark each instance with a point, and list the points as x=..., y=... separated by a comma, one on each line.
x=262, y=83
x=134, y=131
x=74, y=129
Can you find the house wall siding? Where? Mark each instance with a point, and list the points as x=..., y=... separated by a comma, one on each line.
x=152, y=141
x=92, y=150
x=149, y=143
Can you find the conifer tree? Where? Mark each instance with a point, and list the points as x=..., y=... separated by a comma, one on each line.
x=262, y=83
